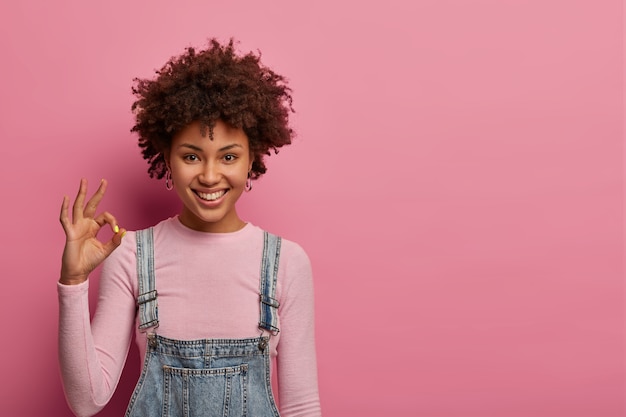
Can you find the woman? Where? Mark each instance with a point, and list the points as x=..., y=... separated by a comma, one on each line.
x=213, y=301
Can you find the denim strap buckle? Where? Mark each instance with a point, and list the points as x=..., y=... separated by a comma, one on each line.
x=147, y=297
x=272, y=302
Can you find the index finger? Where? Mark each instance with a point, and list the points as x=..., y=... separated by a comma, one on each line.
x=92, y=204
x=77, y=208
x=63, y=217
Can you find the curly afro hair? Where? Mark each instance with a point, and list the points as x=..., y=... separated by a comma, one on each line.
x=210, y=85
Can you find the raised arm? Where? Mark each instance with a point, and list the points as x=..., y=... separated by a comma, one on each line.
x=92, y=354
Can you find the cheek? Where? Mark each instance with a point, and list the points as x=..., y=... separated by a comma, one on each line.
x=182, y=173
x=238, y=175
x=177, y=172
x=240, y=178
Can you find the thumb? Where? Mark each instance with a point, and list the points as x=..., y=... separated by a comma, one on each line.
x=115, y=241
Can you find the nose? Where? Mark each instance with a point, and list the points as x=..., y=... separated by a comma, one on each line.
x=210, y=174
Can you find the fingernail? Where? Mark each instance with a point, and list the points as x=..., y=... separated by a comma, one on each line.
x=124, y=233
x=116, y=229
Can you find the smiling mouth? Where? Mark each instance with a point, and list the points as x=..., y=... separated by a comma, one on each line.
x=211, y=196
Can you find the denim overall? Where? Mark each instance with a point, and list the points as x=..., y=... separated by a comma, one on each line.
x=207, y=377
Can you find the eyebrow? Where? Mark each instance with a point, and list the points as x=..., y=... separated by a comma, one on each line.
x=228, y=147
x=190, y=146
x=199, y=149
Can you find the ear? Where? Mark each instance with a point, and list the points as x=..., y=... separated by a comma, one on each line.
x=251, y=162
x=166, y=158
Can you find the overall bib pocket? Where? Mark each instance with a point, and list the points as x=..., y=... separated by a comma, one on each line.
x=208, y=392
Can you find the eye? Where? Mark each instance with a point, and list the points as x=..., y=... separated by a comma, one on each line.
x=230, y=157
x=191, y=157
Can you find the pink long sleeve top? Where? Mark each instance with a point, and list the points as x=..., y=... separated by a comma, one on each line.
x=208, y=287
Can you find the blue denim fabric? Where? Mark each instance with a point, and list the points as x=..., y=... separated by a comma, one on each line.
x=269, y=272
x=207, y=377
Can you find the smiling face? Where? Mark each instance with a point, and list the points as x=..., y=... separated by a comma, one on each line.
x=210, y=175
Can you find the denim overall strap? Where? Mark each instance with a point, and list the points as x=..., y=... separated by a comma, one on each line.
x=269, y=272
x=147, y=298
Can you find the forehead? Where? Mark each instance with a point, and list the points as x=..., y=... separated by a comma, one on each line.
x=221, y=133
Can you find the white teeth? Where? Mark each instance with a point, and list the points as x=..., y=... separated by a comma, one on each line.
x=211, y=196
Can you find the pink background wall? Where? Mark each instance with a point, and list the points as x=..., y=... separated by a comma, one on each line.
x=458, y=182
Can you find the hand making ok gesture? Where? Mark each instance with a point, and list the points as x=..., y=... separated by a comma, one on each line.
x=83, y=251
